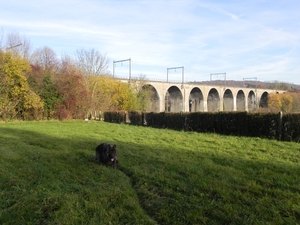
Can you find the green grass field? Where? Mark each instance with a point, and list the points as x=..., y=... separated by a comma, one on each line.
x=48, y=176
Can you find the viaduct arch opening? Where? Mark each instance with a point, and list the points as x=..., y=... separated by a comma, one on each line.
x=240, y=101
x=196, y=100
x=213, y=101
x=251, y=101
x=263, y=103
x=173, y=100
x=228, y=101
x=149, y=98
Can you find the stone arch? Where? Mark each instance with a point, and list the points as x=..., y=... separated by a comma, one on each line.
x=251, y=101
x=151, y=97
x=173, y=100
x=228, y=100
x=240, y=101
x=263, y=103
x=196, y=100
x=213, y=101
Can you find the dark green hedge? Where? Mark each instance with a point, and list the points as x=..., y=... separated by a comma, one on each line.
x=115, y=117
x=132, y=117
x=290, y=129
x=268, y=125
x=136, y=117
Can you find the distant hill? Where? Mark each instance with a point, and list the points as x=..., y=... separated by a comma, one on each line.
x=251, y=84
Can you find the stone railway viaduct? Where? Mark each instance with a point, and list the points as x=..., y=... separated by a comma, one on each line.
x=189, y=97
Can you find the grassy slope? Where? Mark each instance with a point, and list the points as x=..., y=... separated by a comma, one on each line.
x=47, y=175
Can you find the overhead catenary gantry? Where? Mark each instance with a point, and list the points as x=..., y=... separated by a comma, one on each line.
x=120, y=61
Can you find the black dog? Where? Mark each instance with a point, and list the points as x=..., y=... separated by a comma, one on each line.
x=107, y=153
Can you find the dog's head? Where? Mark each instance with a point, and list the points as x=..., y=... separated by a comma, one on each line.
x=112, y=152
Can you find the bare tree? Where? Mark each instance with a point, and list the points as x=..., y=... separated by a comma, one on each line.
x=91, y=62
x=18, y=44
x=46, y=59
x=1, y=38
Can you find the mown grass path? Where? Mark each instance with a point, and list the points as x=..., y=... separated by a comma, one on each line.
x=48, y=176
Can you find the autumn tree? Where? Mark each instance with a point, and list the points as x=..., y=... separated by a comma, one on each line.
x=287, y=102
x=296, y=101
x=111, y=94
x=73, y=92
x=123, y=97
x=16, y=97
x=280, y=102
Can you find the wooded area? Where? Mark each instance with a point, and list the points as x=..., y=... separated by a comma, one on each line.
x=39, y=85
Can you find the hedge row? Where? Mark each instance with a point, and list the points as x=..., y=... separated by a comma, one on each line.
x=115, y=117
x=268, y=125
x=132, y=117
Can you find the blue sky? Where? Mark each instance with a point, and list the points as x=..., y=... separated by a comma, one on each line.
x=242, y=38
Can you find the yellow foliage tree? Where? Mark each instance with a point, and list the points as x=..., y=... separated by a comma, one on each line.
x=280, y=102
x=274, y=102
x=110, y=94
x=33, y=106
x=123, y=96
x=15, y=95
x=296, y=101
x=287, y=102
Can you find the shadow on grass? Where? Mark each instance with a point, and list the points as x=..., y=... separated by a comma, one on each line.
x=54, y=180
x=174, y=186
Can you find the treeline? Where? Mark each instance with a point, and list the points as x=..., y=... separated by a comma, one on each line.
x=39, y=85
